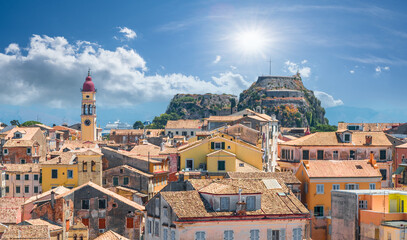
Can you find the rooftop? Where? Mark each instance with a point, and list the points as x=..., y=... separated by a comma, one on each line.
x=38, y=232
x=340, y=169
x=23, y=168
x=110, y=235
x=184, y=124
x=286, y=177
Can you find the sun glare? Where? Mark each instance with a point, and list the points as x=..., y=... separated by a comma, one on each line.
x=251, y=41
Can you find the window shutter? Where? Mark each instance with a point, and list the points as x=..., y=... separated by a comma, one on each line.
x=282, y=234
x=102, y=223
x=223, y=145
x=212, y=145
x=269, y=234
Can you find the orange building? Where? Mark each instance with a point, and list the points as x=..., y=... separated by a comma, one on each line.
x=319, y=177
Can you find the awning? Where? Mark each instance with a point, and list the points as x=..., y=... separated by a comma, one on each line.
x=399, y=170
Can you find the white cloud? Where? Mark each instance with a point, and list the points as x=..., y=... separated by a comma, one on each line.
x=218, y=58
x=327, y=100
x=379, y=69
x=51, y=71
x=233, y=67
x=304, y=61
x=387, y=68
x=128, y=33
x=294, y=68
x=352, y=71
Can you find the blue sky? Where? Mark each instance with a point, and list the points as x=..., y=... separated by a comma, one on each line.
x=351, y=53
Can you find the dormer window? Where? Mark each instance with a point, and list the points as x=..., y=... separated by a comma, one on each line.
x=346, y=137
x=251, y=203
x=224, y=203
x=5, y=151
x=18, y=135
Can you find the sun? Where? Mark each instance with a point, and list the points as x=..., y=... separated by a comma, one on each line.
x=251, y=41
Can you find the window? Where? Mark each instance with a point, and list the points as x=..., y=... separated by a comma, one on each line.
x=372, y=186
x=7, y=189
x=384, y=174
x=255, y=234
x=184, y=133
x=351, y=186
x=217, y=145
x=305, y=154
x=251, y=203
x=104, y=181
x=320, y=188
x=129, y=222
x=36, y=189
x=335, y=186
x=382, y=154
x=102, y=203
x=70, y=174
x=221, y=166
x=22, y=161
x=157, y=228
x=36, y=177
x=26, y=189
x=125, y=180
x=346, y=137
x=5, y=151
x=335, y=155
x=7, y=177
x=85, y=221
x=85, y=204
x=320, y=155
x=85, y=166
x=192, y=133
x=18, y=189
x=115, y=181
x=149, y=227
x=275, y=234
x=54, y=173
x=228, y=235
x=26, y=177
x=352, y=154
x=306, y=188
x=93, y=166
x=200, y=236
x=165, y=234
x=28, y=151
x=189, y=163
x=172, y=235
x=362, y=204
x=297, y=234
x=319, y=211
x=102, y=223
x=18, y=176
x=224, y=204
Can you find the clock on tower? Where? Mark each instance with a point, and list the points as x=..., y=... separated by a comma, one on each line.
x=88, y=113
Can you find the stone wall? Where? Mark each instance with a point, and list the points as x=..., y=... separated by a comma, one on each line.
x=344, y=215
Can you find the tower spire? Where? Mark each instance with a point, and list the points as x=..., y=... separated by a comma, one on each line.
x=88, y=72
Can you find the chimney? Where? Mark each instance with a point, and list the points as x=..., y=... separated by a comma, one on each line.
x=240, y=205
x=372, y=160
x=368, y=139
x=52, y=199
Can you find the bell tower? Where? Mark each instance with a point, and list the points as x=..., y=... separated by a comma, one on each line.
x=88, y=113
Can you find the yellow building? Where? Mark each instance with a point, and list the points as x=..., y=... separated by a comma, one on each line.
x=88, y=113
x=220, y=153
x=319, y=177
x=72, y=169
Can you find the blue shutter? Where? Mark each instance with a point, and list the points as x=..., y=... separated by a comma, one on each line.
x=282, y=234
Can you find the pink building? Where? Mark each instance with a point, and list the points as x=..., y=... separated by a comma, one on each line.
x=227, y=209
x=22, y=180
x=400, y=162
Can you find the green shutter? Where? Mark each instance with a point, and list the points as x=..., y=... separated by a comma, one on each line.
x=399, y=170
x=212, y=145
x=223, y=145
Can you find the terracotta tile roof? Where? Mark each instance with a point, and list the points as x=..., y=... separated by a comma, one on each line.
x=401, y=129
x=190, y=204
x=23, y=168
x=37, y=232
x=223, y=118
x=402, y=146
x=286, y=177
x=145, y=149
x=244, y=133
x=43, y=126
x=105, y=191
x=110, y=235
x=63, y=128
x=370, y=127
x=183, y=124
x=344, y=168
x=51, y=226
x=169, y=150
x=63, y=158
x=132, y=191
x=19, y=143
x=28, y=132
x=126, y=132
x=132, y=169
x=332, y=139
x=10, y=209
x=77, y=145
x=58, y=190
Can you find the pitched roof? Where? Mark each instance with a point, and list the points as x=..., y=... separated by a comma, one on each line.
x=28, y=132
x=332, y=139
x=274, y=201
x=401, y=129
x=38, y=221
x=245, y=133
x=38, y=232
x=369, y=127
x=10, y=209
x=223, y=118
x=19, y=143
x=126, y=132
x=105, y=191
x=341, y=169
x=58, y=190
x=23, y=168
x=286, y=177
x=184, y=124
x=77, y=145
x=110, y=235
x=132, y=169
x=63, y=158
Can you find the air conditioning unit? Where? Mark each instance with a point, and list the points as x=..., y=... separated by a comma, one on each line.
x=101, y=230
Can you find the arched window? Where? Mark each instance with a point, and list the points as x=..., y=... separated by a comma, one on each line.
x=84, y=109
x=75, y=237
x=81, y=238
x=89, y=111
x=85, y=166
x=93, y=168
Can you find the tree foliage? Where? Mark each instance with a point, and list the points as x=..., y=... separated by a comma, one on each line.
x=29, y=123
x=15, y=123
x=138, y=125
x=324, y=128
x=160, y=121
